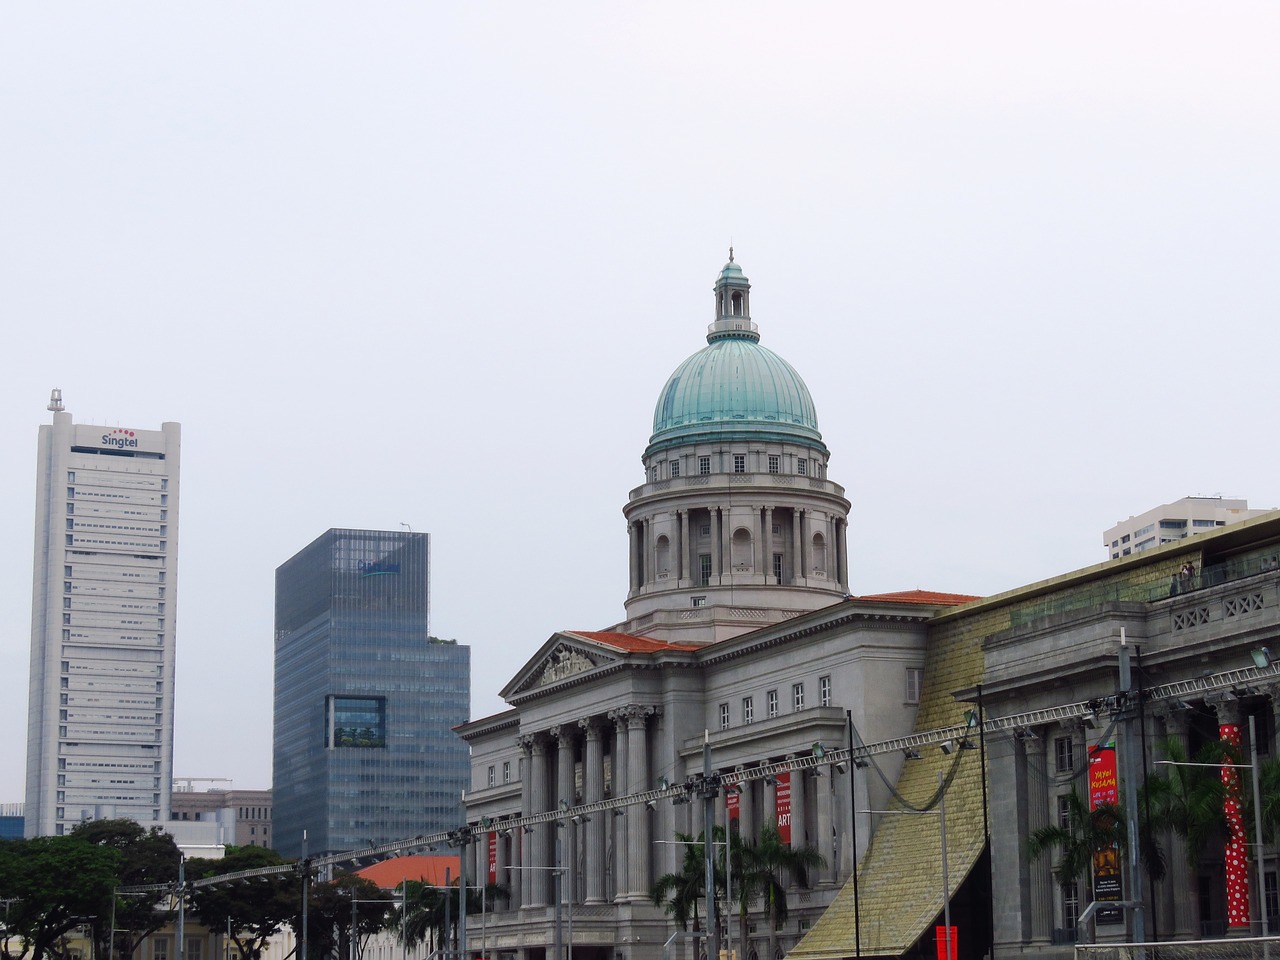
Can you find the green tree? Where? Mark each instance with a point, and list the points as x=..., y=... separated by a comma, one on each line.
x=329, y=914
x=680, y=892
x=766, y=865
x=54, y=884
x=146, y=857
x=420, y=910
x=253, y=908
x=1087, y=832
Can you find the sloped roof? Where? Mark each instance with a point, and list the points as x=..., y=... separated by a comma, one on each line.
x=389, y=874
x=628, y=643
x=929, y=597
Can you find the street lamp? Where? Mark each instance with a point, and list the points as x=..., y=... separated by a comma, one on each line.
x=941, y=813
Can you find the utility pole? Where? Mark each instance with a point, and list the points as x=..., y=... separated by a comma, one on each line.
x=1127, y=754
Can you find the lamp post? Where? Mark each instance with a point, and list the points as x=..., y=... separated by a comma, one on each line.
x=941, y=813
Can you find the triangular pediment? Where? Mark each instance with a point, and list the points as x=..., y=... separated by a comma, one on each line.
x=561, y=658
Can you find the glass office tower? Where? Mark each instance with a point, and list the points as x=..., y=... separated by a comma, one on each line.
x=365, y=699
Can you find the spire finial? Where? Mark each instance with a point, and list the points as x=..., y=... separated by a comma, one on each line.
x=731, y=253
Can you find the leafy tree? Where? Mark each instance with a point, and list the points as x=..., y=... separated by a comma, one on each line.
x=55, y=884
x=329, y=914
x=1086, y=833
x=680, y=892
x=253, y=908
x=146, y=857
x=766, y=864
x=425, y=908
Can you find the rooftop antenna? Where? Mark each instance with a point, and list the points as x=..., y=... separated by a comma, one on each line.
x=406, y=526
x=55, y=397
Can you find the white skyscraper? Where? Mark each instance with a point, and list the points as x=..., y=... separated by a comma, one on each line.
x=100, y=721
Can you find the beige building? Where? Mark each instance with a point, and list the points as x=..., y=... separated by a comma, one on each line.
x=1172, y=522
x=219, y=816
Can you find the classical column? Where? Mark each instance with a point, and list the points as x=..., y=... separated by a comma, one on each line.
x=620, y=788
x=842, y=555
x=1236, y=857
x=632, y=550
x=1043, y=888
x=501, y=861
x=650, y=555
x=806, y=548
x=638, y=782
x=677, y=550
x=797, y=554
x=799, y=822
x=767, y=539
x=747, y=824
x=823, y=790
x=564, y=795
x=686, y=550
x=593, y=785
x=770, y=812
x=534, y=845
x=716, y=557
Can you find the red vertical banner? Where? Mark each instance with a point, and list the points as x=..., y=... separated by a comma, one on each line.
x=1104, y=788
x=945, y=951
x=782, y=806
x=733, y=808
x=1237, y=860
x=493, y=858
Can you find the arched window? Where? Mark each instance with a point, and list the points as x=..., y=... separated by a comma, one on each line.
x=663, y=559
x=737, y=304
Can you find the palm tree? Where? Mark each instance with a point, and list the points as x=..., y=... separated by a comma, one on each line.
x=679, y=892
x=765, y=865
x=1087, y=832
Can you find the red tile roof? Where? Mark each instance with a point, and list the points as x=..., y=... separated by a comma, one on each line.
x=629, y=643
x=930, y=597
x=389, y=874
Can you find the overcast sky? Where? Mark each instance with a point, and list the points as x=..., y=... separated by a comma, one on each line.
x=432, y=263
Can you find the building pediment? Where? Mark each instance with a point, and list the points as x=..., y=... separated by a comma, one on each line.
x=561, y=658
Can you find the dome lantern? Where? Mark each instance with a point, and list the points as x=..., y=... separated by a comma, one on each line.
x=733, y=305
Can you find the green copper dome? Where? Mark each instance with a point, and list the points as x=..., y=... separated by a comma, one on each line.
x=733, y=388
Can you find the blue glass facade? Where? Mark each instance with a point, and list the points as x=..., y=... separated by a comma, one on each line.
x=365, y=699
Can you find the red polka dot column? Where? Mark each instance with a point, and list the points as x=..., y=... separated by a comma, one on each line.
x=1237, y=849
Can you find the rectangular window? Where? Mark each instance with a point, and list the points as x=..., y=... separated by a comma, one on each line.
x=1064, y=812
x=699, y=601
x=159, y=948
x=772, y=698
x=675, y=468
x=774, y=463
x=1273, y=901
x=915, y=682
x=653, y=473
x=506, y=771
x=704, y=465
x=748, y=710
x=824, y=691
x=355, y=722
x=802, y=467
x=1063, y=751
x=704, y=569
x=739, y=463
x=1071, y=906
x=777, y=567
x=493, y=775
x=724, y=716
x=797, y=696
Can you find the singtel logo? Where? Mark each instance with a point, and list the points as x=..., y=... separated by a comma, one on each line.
x=119, y=437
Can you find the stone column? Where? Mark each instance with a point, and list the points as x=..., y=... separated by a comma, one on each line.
x=620, y=788
x=747, y=824
x=799, y=822
x=797, y=552
x=632, y=553
x=1043, y=887
x=535, y=849
x=767, y=539
x=637, y=782
x=823, y=790
x=564, y=795
x=686, y=550
x=806, y=548
x=1239, y=914
x=677, y=550
x=770, y=812
x=593, y=784
x=650, y=554
x=842, y=556
x=715, y=546
x=501, y=861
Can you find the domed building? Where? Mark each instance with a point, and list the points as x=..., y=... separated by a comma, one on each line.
x=740, y=641
x=736, y=524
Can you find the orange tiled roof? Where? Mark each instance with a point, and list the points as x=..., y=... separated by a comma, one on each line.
x=930, y=597
x=629, y=643
x=389, y=874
